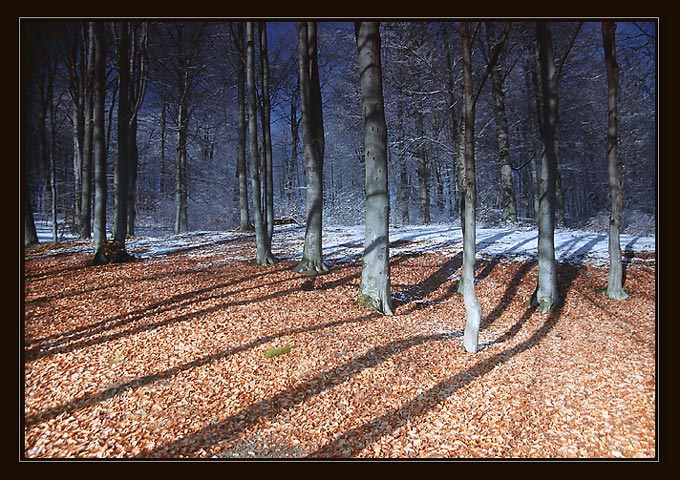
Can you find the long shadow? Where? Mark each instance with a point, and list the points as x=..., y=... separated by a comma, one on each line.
x=176, y=301
x=86, y=338
x=508, y=295
x=270, y=407
x=414, y=293
x=90, y=399
x=353, y=441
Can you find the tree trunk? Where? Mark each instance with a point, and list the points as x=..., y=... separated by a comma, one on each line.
x=508, y=199
x=181, y=205
x=99, y=142
x=30, y=234
x=85, y=221
x=375, y=272
x=614, y=161
x=245, y=225
x=161, y=182
x=546, y=296
x=403, y=170
x=266, y=130
x=423, y=183
x=473, y=309
x=313, y=145
x=121, y=172
x=133, y=165
x=263, y=240
x=294, y=144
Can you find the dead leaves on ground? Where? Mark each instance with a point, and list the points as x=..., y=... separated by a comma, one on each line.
x=165, y=358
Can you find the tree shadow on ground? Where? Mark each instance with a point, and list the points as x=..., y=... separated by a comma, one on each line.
x=351, y=442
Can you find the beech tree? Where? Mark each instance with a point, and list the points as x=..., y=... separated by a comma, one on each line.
x=313, y=145
x=374, y=290
x=124, y=114
x=508, y=199
x=99, y=143
x=545, y=296
x=473, y=308
x=238, y=38
x=262, y=237
x=614, y=161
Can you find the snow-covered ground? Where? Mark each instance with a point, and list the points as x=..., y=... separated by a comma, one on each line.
x=344, y=243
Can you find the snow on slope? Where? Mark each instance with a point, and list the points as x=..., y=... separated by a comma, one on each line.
x=345, y=243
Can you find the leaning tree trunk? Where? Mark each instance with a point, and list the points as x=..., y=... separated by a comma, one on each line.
x=98, y=137
x=263, y=240
x=473, y=309
x=313, y=145
x=546, y=296
x=245, y=225
x=508, y=199
x=615, y=281
x=374, y=290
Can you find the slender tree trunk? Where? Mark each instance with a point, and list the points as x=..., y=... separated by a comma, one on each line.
x=99, y=141
x=181, y=205
x=294, y=144
x=508, y=199
x=133, y=165
x=546, y=296
x=245, y=225
x=266, y=129
x=30, y=234
x=161, y=186
x=615, y=281
x=53, y=164
x=402, y=196
x=374, y=290
x=313, y=145
x=263, y=240
x=121, y=172
x=78, y=126
x=86, y=198
x=473, y=308
x=423, y=181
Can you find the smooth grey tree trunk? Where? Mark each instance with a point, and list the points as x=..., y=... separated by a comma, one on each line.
x=263, y=240
x=133, y=165
x=244, y=224
x=161, y=180
x=30, y=234
x=423, y=181
x=84, y=223
x=181, y=205
x=546, y=296
x=508, y=198
x=98, y=137
x=374, y=290
x=121, y=171
x=266, y=133
x=473, y=309
x=313, y=145
x=614, y=161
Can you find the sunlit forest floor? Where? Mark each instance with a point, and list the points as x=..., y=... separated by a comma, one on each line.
x=169, y=356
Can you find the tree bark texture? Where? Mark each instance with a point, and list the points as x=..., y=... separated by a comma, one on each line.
x=181, y=204
x=508, y=199
x=266, y=133
x=473, y=309
x=546, y=296
x=313, y=145
x=374, y=289
x=614, y=163
x=99, y=140
x=263, y=240
x=244, y=225
x=121, y=171
x=423, y=181
x=84, y=222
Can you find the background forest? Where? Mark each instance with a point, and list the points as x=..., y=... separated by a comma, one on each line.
x=183, y=79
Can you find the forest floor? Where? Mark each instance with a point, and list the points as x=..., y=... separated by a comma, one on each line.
x=165, y=356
